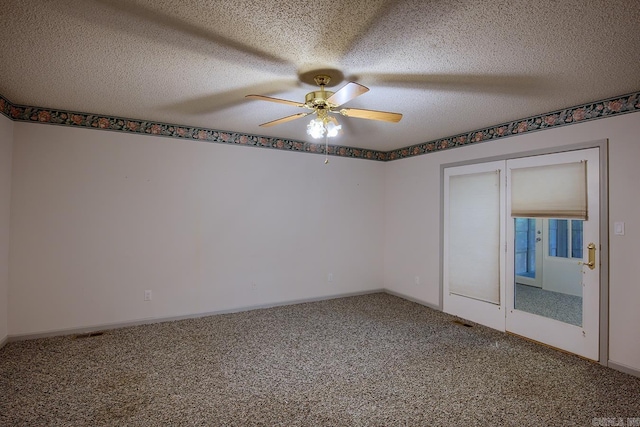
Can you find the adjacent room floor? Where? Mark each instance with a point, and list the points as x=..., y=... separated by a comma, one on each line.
x=554, y=305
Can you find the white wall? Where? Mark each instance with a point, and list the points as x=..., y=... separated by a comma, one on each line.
x=99, y=217
x=412, y=244
x=6, y=144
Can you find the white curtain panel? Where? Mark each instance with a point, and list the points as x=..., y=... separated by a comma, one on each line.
x=474, y=236
x=553, y=191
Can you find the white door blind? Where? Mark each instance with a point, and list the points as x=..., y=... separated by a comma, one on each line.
x=474, y=236
x=553, y=191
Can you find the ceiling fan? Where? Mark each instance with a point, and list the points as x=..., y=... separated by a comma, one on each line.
x=325, y=104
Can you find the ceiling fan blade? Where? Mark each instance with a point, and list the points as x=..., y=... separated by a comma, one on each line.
x=347, y=93
x=384, y=116
x=281, y=101
x=285, y=119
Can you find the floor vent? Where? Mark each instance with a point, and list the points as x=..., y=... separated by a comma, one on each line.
x=461, y=323
x=89, y=335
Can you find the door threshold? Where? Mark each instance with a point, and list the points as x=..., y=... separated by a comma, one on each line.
x=551, y=347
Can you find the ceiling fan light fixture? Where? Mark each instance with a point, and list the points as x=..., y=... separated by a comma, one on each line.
x=333, y=129
x=323, y=102
x=316, y=128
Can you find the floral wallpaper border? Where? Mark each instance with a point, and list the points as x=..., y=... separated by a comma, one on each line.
x=24, y=113
x=581, y=113
x=594, y=110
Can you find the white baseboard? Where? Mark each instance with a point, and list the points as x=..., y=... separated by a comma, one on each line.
x=624, y=368
x=412, y=299
x=104, y=327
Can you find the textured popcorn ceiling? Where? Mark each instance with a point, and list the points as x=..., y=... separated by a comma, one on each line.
x=448, y=66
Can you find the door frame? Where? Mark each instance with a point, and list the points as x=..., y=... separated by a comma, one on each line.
x=603, y=145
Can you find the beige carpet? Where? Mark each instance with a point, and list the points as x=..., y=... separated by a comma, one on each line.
x=373, y=360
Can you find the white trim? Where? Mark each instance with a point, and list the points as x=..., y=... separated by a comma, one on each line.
x=624, y=368
x=412, y=299
x=118, y=325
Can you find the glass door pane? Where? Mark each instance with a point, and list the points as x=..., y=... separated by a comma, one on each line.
x=559, y=295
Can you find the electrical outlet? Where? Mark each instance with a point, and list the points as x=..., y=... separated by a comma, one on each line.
x=330, y=277
x=416, y=280
x=147, y=295
x=253, y=286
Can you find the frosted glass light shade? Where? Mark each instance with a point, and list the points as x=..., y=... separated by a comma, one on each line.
x=333, y=129
x=316, y=128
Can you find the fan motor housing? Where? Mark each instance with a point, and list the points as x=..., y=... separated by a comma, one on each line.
x=318, y=98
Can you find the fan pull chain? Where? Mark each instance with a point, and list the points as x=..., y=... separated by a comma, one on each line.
x=326, y=148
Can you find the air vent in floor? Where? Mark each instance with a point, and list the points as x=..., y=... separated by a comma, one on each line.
x=89, y=335
x=461, y=323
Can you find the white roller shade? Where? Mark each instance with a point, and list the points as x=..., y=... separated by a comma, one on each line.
x=553, y=191
x=474, y=236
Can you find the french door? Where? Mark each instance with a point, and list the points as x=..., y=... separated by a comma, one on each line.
x=473, y=251
x=535, y=273
x=565, y=312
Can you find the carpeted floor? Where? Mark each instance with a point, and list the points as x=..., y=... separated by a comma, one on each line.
x=373, y=360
